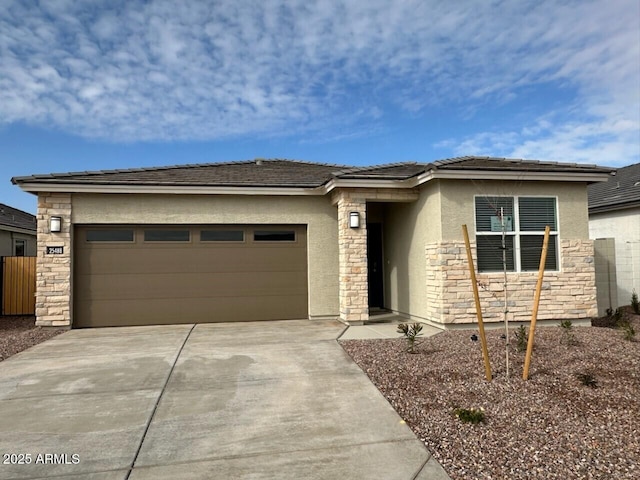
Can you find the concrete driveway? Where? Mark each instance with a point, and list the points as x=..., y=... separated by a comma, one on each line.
x=251, y=400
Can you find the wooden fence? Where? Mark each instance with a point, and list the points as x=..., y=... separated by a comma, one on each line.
x=18, y=285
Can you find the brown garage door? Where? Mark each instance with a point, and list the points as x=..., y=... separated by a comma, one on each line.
x=150, y=275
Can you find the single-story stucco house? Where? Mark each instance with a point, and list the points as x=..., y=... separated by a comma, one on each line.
x=614, y=212
x=17, y=232
x=281, y=239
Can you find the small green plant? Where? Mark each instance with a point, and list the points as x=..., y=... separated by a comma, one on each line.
x=628, y=331
x=568, y=337
x=587, y=379
x=410, y=332
x=470, y=415
x=522, y=338
x=635, y=304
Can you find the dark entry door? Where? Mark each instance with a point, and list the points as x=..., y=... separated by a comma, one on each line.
x=374, y=257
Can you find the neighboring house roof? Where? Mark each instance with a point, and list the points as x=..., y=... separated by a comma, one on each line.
x=620, y=192
x=280, y=173
x=14, y=219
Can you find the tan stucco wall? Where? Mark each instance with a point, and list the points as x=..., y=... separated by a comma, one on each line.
x=568, y=293
x=422, y=242
x=408, y=227
x=458, y=204
x=317, y=213
x=425, y=261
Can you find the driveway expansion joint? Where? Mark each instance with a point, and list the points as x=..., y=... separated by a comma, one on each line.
x=429, y=455
x=155, y=407
x=292, y=451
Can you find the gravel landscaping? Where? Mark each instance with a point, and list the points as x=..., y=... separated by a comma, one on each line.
x=19, y=333
x=553, y=426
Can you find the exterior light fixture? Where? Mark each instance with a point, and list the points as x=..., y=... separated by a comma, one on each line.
x=354, y=220
x=55, y=225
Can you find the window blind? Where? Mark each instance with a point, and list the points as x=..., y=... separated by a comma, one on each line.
x=487, y=207
x=531, y=249
x=536, y=213
x=490, y=253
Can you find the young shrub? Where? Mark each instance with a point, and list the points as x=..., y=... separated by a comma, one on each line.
x=628, y=332
x=568, y=337
x=635, y=304
x=410, y=332
x=522, y=338
x=587, y=379
x=470, y=415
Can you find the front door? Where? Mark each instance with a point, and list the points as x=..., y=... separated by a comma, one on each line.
x=374, y=262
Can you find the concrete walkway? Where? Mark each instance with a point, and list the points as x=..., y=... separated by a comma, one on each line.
x=230, y=401
x=382, y=330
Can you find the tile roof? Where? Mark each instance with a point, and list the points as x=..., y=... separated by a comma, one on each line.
x=513, y=164
x=621, y=191
x=390, y=171
x=293, y=173
x=259, y=172
x=12, y=217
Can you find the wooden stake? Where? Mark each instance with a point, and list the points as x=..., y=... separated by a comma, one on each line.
x=483, y=338
x=536, y=303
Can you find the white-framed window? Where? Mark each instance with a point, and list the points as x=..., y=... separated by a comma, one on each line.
x=525, y=218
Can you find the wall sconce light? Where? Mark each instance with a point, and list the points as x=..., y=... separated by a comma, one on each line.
x=354, y=220
x=55, y=225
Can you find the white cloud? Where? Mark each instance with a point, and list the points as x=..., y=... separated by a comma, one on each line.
x=605, y=142
x=161, y=70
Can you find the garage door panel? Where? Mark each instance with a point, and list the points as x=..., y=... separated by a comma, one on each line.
x=174, y=310
x=197, y=285
x=142, y=283
x=212, y=260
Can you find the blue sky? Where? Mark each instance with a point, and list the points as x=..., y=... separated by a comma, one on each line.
x=91, y=85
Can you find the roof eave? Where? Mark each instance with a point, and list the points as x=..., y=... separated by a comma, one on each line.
x=411, y=182
x=35, y=187
x=589, y=177
x=367, y=183
x=11, y=228
x=614, y=207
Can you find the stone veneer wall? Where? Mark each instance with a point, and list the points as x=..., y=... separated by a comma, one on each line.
x=567, y=294
x=53, y=272
x=352, y=255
